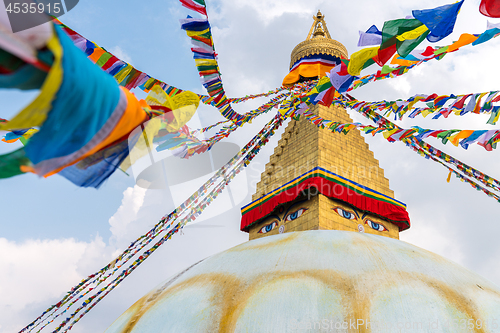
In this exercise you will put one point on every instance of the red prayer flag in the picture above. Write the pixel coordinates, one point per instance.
(431, 97)
(490, 8)
(385, 55)
(460, 104)
(194, 6)
(429, 51)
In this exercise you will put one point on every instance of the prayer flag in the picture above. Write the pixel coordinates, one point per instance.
(490, 8)
(440, 20)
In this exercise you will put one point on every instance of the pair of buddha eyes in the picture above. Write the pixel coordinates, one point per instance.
(342, 212)
(289, 217)
(351, 216)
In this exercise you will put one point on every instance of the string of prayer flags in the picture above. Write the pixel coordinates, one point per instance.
(393, 133)
(486, 138)
(67, 138)
(466, 169)
(206, 60)
(492, 30)
(131, 77)
(419, 147)
(137, 253)
(390, 129)
(418, 57)
(222, 133)
(126, 75)
(490, 8)
(208, 128)
(184, 143)
(438, 105)
(446, 159)
(406, 136)
(21, 135)
(124, 72)
(402, 36)
(250, 97)
(441, 19)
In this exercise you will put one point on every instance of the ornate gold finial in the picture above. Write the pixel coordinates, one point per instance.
(319, 32)
(318, 27)
(318, 41)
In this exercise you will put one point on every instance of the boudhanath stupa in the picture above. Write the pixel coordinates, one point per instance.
(324, 253)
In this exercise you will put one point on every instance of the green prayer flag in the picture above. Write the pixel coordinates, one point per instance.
(103, 59)
(446, 134)
(395, 28)
(10, 164)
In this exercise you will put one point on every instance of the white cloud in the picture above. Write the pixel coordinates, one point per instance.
(133, 199)
(434, 237)
(37, 273)
(121, 54)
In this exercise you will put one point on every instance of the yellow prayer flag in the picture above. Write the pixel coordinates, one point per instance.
(358, 59)
(412, 34)
(183, 105)
(196, 33)
(460, 135)
(477, 108)
(387, 134)
(205, 62)
(34, 115)
(122, 74)
(427, 112)
(412, 103)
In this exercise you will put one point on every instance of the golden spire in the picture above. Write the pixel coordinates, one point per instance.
(318, 41)
(319, 32)
(317, 27)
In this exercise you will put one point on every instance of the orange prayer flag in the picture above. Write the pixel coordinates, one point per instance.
(397, 60)
(96, 55)
(465, 39)
(460, 135)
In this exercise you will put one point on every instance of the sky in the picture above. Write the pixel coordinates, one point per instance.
(53, 234)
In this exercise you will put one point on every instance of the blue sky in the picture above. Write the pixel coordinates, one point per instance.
(52, 233)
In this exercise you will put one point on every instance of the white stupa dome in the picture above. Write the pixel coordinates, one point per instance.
(319, 281)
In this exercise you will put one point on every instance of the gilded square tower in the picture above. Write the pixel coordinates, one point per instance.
(317, 179)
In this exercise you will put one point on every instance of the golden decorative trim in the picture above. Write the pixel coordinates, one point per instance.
(318, 45)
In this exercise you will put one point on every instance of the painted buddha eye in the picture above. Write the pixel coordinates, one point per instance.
(345, 214)
(295, 215)
(376, 226)
(265, 229)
